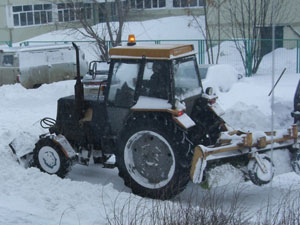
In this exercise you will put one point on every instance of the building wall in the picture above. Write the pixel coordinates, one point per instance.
(168, 9)
(142, 15)
(4, 32)
(9, 31)
(290, 18)
(286, 15)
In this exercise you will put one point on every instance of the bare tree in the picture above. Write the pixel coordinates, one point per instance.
(109, 32)
(246, 19)
(207, 29)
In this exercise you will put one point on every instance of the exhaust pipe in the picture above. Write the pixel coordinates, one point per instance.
(79, 92)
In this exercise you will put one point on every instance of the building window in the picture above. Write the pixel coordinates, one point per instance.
(28, 15)
(147, 4)
(193, 3)
(132, 4)
(187, 3)
(139, 4)
(108, 11)
(74, 12)
(162, 3)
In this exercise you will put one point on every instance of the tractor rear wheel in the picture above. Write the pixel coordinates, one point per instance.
(49, 158)
(152, 159)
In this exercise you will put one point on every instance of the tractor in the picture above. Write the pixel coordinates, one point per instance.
(157, 121)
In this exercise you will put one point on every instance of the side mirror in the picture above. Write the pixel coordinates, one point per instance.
(95, 70)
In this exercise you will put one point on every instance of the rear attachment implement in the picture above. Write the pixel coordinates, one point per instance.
(236, 143)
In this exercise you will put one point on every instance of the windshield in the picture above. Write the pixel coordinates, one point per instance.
(186, 77)
(155, 81)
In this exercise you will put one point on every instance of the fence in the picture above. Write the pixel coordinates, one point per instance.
(287, 53)
(8, 43)
(287, 50)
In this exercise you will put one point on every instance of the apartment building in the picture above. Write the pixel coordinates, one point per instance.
(20, 20)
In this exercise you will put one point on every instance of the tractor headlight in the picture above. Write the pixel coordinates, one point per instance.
(209, 91)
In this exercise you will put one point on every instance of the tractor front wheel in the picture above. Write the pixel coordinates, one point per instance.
(49, 158)
(258, 175)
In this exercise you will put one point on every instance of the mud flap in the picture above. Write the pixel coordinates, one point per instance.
(22, 148)
(198, 165)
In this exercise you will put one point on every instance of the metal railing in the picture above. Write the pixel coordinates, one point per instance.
(8, 43)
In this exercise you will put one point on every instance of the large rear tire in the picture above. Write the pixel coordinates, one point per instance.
(49, 158)
(153, 159)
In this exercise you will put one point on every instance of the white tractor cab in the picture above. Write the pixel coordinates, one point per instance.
(33, 66)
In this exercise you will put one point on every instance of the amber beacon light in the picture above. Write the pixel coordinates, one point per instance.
(131, 40)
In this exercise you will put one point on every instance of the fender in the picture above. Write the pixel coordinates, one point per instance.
(149, 104)
(65, 146)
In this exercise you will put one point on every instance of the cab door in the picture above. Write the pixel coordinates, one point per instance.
(120, 96)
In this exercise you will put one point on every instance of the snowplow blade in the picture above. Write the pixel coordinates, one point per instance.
(22, 148)
(236, 143)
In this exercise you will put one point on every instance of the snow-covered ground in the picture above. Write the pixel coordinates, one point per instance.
(170, 28)
(91, 194)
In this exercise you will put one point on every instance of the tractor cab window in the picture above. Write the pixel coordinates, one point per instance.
(155, 80)
(123, 82)
(186, 78)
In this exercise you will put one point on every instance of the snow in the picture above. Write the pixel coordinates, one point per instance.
(37, 48)
(46, 57)
(221, 77)
(90, 195)
(250, 97)
(145, 102)
(173, 27)
(185, 120)
(216, 176)
(166, 29)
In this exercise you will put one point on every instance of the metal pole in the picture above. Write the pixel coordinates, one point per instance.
(298, 60)
(202, 51)
(199, 52)
(270, 196)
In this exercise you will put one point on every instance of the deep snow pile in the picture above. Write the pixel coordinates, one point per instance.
(248, 105)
